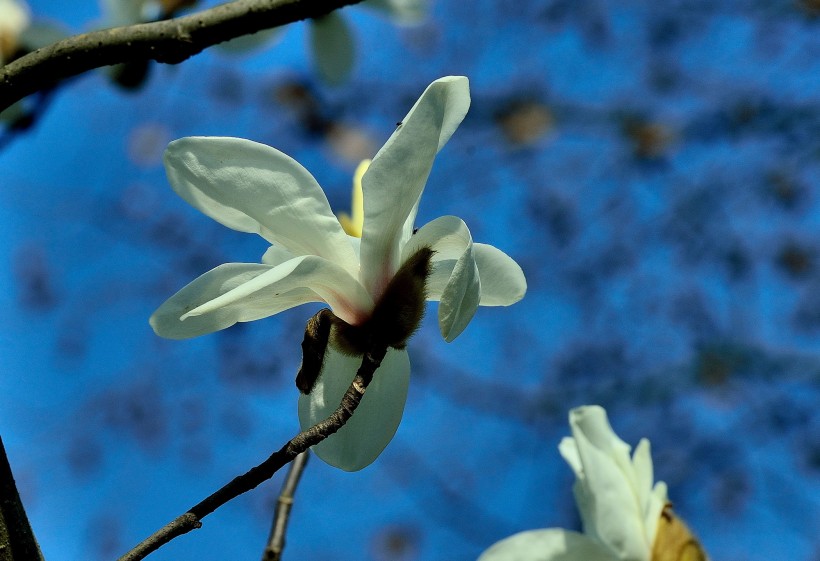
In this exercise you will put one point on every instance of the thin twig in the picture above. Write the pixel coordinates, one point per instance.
(170, 41)
(192, 519)
(276, 540)
(17, 541)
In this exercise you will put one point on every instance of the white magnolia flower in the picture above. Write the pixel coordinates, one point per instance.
(15, 17)
(251, 187)
(625, 517)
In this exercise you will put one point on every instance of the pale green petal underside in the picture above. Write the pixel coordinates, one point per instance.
(372, 426)
(166, 320)
(551, 544)
(334, 50)
(395, 179)
(502, 280)
(460, 298)
(254, 188)
(331, 283)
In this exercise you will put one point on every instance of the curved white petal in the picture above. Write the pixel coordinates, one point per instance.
(460, 298)
(395, 179)
(551, 544)
(502, 280)
(658, 499)
(166, 320)
(254, 188)
(605, 492)
(345, 296)
(333, 48)
(372, 426)
(276, 255)
(454, 279)
(447, 236)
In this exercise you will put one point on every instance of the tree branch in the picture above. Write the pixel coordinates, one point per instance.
(192, 519)
(17, 541)
(170, 41)
(276, 540)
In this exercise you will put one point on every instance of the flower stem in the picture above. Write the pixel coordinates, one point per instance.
(192, 519)
(276, 541)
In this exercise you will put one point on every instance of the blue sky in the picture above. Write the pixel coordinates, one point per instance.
(652, 166)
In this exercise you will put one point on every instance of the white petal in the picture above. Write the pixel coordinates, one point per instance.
(254, 188)
(166, 320)
(276, 255)
(395, 179)
(657, 500)
(245, 44)
(373, 424)
(552, 544)
(502, 280)
(402, 12)
(612, 504)
(460, 298)
(333, 48)
(569, 451)
(448, 236)
(644, 477)
(345, 296)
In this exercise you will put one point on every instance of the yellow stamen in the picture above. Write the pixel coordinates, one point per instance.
(353, 224)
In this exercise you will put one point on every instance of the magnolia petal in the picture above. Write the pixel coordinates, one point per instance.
(460, 298)
(246, 44)
(225, 278)
(502, 280)
(658, 499)
(346, 297)
(276, 255)
(551, 544)
(402, 12)
(360, 441)
(122, 12)
(644, 476)
(395, 179)
(606, 494)
(447, 236)
(333, 48)
(254, 188)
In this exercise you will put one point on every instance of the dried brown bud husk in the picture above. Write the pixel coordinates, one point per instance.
(674, 541)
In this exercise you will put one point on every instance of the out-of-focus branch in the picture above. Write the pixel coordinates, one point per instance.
(170, 41)
(17, 541)
(192, 519)
(276, 540)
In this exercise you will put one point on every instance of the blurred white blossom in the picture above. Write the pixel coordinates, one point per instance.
(625, 517)
(15, 17)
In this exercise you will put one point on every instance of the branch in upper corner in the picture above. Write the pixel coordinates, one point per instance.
(192, 519)
(17, 541)
(170, 41)
(276, 540)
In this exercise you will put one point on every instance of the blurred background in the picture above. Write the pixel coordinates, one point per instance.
(653, 166)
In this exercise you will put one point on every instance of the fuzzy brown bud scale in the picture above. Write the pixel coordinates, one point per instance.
(395, 317)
